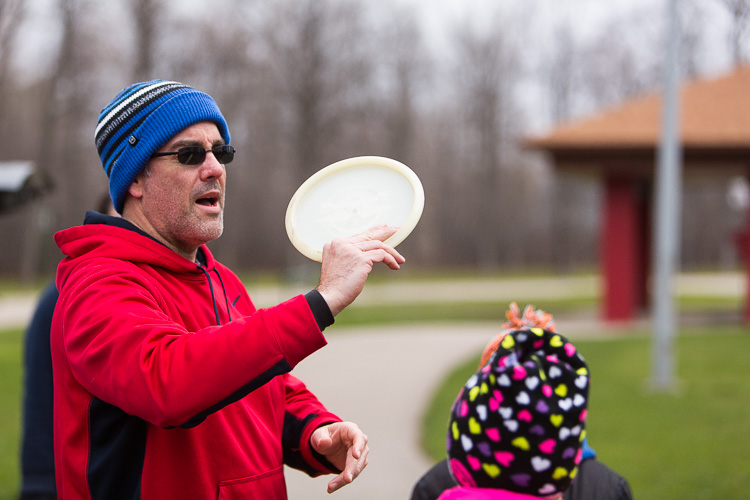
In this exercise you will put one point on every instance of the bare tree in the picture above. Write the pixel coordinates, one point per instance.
(692, 28)
(68, 115)
(146, 16)
(11, 15)
(486, 64)
(739, 10)
(61, 110)
(321, 87)
(620, 61)
(406, 70)
(560, 72)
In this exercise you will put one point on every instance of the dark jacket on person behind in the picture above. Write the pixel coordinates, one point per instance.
(595, 481)
(37, 454)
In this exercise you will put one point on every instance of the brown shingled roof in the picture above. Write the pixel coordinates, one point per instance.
(714, 114)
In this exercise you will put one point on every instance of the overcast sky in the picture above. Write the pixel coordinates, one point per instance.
(533, 22)
(586, 17)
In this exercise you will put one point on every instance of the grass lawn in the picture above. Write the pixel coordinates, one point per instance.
(691, 444)
(10, 416)
(443, 311)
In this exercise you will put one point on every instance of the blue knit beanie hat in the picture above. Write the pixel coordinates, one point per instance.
(140, 120)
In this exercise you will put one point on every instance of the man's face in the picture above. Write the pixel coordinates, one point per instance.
(183, 205)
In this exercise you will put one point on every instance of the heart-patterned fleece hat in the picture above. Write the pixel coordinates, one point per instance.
(518, 423)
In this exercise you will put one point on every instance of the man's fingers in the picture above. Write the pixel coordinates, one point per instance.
(348, 261)
(323, 444)
(354, 467)
(386, 255)
(360, 445)
(378, 245)
(336, 483)
(351, 442)
(382, 232)
(381, 252)
(374, 250)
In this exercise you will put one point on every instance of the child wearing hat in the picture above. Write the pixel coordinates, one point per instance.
(593, 479)
(517, 426)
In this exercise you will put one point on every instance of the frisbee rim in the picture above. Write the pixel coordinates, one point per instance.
(406, 227)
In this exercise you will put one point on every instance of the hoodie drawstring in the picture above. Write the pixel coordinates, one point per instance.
(211, 287)
(226, 299)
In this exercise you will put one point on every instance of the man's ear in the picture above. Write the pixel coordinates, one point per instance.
(136, 188)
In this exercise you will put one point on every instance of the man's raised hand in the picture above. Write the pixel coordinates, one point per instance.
(348, 261)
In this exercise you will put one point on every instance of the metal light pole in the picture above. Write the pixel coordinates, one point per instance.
(667, 226)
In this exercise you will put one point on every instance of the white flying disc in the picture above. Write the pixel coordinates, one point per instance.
(351, 196)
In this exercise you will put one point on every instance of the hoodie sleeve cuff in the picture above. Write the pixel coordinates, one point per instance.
(318, 462)
(319, 307)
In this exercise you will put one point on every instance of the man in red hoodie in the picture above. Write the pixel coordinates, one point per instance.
(169, 383)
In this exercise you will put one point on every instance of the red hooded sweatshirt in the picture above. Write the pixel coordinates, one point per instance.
(168, 382)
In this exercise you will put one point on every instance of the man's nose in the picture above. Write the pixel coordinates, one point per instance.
(211, 168)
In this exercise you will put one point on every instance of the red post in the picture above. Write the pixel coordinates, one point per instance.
(623, 255)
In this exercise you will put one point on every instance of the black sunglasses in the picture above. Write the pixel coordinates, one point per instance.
(196, 155)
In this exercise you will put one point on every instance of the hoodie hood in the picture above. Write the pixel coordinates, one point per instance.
(107, 237)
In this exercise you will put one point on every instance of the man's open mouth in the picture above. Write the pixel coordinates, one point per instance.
(208, 200)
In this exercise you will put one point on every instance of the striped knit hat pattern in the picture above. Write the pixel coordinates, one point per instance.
(518, 424)
(140, 120)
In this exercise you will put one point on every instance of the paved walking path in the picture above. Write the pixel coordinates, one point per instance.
(16, 309)
(381, 378)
